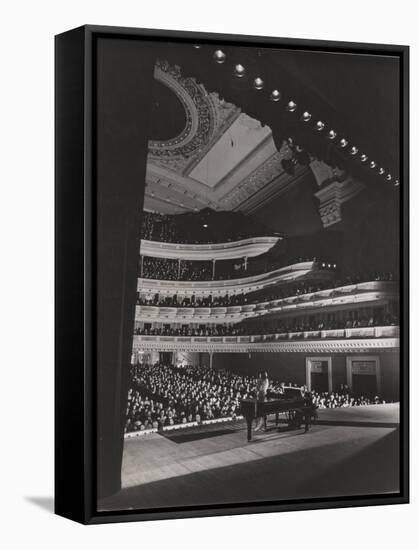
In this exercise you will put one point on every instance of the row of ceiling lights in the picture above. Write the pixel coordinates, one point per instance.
(275, 96)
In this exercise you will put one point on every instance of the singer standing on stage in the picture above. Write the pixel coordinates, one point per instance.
(261, 389)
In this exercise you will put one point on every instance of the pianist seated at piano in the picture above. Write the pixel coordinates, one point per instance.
(262, 386)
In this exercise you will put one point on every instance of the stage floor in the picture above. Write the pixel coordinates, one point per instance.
(348, 452)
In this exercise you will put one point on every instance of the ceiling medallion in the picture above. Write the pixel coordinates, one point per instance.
(204, 113)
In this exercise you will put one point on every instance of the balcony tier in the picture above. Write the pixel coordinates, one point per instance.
(325, 341)
(216, 251)
(372, 293)
(243, 284)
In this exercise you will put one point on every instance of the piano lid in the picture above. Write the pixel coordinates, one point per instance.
(291, 392)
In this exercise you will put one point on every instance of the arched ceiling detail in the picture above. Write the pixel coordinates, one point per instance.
(222, 159)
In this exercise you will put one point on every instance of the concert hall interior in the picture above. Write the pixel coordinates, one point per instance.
(268, 243)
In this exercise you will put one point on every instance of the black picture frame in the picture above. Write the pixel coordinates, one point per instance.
(78, 263)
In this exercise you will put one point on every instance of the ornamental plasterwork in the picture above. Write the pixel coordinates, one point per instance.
(333, 196)
(268, 173)
(207, 116)
(331, 346)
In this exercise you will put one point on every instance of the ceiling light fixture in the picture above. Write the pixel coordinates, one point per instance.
(275, 95)
(239, 71)
(258, 83)
(219, 56)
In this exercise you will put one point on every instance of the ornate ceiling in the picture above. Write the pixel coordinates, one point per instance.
(222, 159)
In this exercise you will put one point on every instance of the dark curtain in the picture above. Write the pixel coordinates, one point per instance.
(123, 94)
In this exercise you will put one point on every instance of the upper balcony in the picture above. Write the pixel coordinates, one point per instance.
(245, 284)
(372, 293)
(244, 248)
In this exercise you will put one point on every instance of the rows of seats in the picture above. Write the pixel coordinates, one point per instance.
(169, 269)
(268, 294)
(168, 395)
(204, 227)
(318, 322)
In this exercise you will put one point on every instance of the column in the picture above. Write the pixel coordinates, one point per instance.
(213, 268)
(335, 188)
(329, 375)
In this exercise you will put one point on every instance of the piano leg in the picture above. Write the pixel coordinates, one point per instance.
(276, 419)
(249, 428)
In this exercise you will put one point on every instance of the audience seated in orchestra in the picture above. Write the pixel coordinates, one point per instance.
(167, 395)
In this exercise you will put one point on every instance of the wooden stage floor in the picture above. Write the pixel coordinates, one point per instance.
(348, 452)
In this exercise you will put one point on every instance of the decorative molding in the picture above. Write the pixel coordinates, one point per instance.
(298, 346)
(244, 284)
(218, 251)
(333, 197)
(275, 308)
(265, 182)
(206, 117)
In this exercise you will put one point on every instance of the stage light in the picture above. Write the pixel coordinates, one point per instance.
(364, 158)
(275, 95)
(196, 46)
(205, 225)
(306, 116)
(389, 177)
(354, 150)
(239, 70)
(331, 134)
(343, 142)
(291, 106)
(319, 125)
(219, 56)
(258, 83)
(381, 171)
(372, 164)
(396, 183)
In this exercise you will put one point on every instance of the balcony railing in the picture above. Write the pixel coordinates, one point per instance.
(369, 293)
(243, 284)
(249, 247)
(347, 333)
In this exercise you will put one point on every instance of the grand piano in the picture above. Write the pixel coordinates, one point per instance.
(291, 402)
